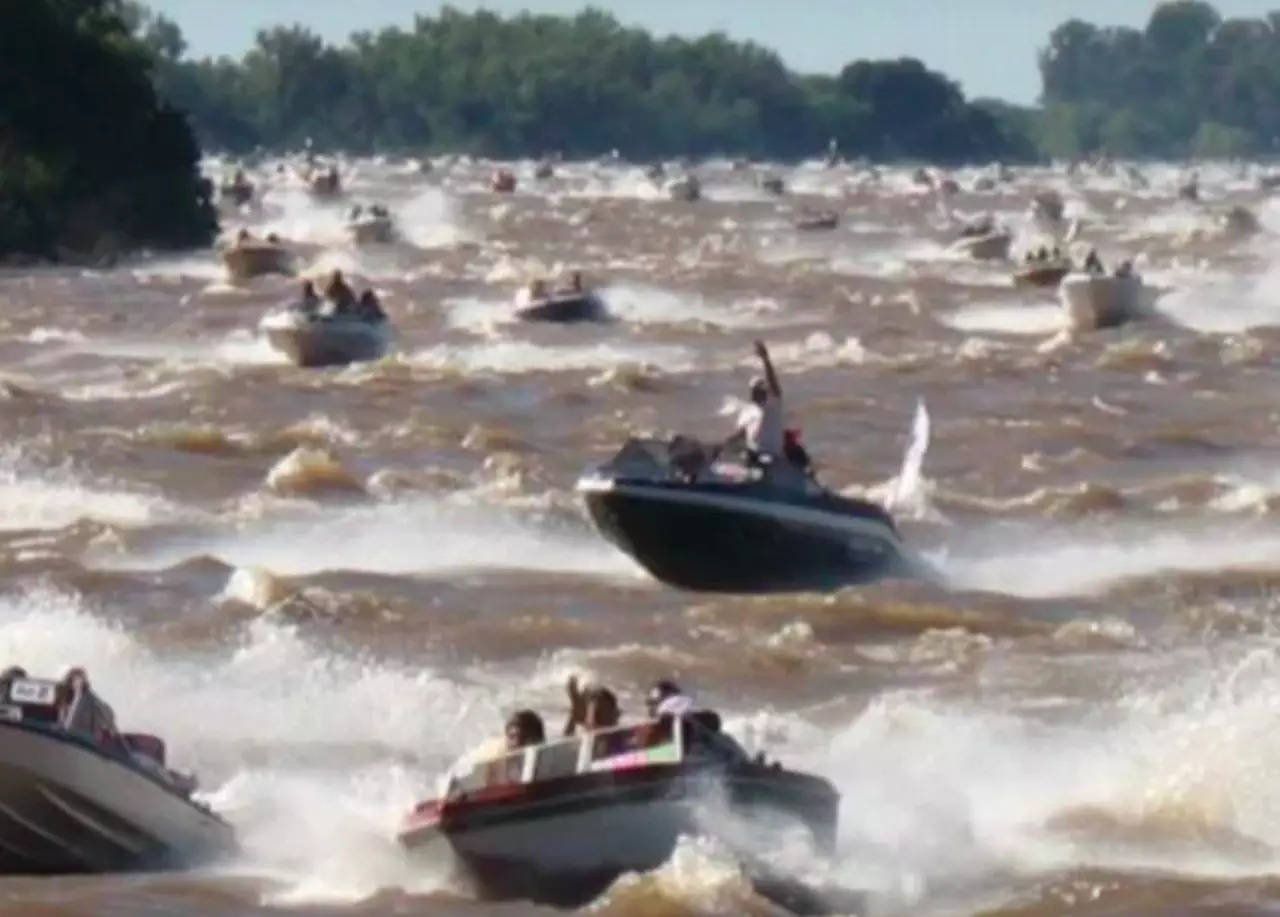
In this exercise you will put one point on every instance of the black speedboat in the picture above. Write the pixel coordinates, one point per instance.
(726, 529)
(72, 804)
(558, 823)
(566, 307)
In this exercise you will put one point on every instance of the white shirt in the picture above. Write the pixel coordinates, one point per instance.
(674, 705)
(763, 426)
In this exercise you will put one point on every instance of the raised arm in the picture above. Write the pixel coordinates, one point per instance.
(770, 376)
(576, 712)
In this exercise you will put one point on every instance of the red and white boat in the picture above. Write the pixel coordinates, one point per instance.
(558, 823)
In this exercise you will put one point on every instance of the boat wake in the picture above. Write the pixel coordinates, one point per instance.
(425, 537)
(1015, 790)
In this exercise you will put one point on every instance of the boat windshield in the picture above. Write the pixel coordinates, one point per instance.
(43, 702)
(685, 459)
(32, 700)
(664, 742)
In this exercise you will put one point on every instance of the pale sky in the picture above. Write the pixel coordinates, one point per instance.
(989, 46)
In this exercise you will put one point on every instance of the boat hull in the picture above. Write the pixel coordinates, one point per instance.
(1041, 276)
(67, 807)
(245, 262)
(564, 860)
(703, 540)
(1092, 302)
(564, 846)
(376, 231)
(564, 310)
(320, 343)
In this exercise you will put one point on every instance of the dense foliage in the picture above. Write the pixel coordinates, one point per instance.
(91, 163)
(532, 85)
(1190, 84)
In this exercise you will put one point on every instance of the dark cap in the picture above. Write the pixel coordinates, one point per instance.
(661, 690)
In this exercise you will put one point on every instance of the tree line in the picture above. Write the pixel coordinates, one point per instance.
(580, 86)
(92, 163)
(103, 107)
(1189, 84)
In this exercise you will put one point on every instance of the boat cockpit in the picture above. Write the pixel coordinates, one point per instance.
(71, 708)
(686, 460)
(695, 740)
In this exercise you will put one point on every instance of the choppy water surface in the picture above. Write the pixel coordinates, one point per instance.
(1082, 720)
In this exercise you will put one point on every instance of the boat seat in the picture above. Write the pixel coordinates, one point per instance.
(148, 745)
(505, 770)
(707, 719)
(559, 759)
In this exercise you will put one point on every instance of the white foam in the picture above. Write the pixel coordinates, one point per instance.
(1023, 319)
(514, 356)
(43, 498)
(423, 537)
(1054, 563)
(948, 795)
(313, 756)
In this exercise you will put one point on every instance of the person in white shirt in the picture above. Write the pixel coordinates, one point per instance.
(666, 699)
(760, 424)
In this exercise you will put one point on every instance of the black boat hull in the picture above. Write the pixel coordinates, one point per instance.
(565, 309)
(690, 539)
(68, 807)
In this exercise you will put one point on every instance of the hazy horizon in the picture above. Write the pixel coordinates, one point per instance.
(817, 36)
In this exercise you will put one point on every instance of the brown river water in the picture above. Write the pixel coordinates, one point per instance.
(321, 586)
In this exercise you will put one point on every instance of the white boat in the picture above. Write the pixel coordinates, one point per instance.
(557, 823)
(313, 339)
(71, 803)
(372, 229)
(1094, 301)
(251, 258)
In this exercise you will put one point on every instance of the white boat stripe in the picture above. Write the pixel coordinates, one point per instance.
(782, 512)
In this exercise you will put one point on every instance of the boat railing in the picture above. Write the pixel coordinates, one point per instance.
(688, 459)
(661, 742)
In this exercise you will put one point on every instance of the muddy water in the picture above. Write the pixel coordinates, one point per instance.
(322, 586)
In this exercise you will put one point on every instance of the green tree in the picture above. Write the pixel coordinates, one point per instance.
(1190, 83)
(91, 163)
(580, 86)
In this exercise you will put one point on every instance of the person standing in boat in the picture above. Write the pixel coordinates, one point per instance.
(338, 292)
(591, 707)
(760, 427)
